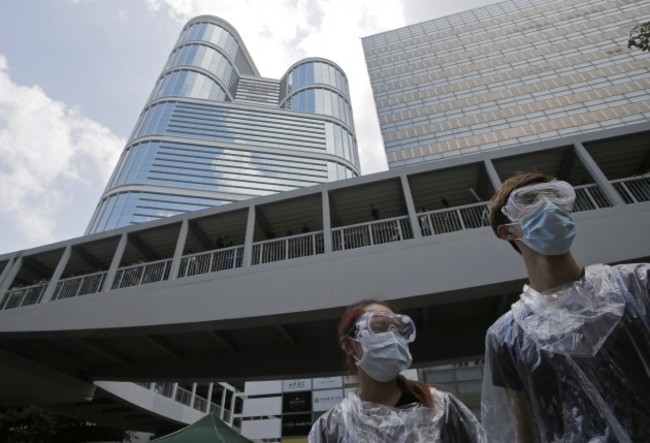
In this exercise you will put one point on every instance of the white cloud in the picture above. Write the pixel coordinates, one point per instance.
(55, 163)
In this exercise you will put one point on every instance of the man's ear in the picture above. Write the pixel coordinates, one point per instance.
(504, 233)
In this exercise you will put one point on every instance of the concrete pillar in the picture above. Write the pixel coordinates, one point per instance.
(9, 278)
(327, 222)
(494, 178)
(248, 240)
(223, 401)
(193, 395)
(597, 174)
(178, 252)
(209, 399)
(7, 268)
(60, 267)
(232, 409)
(115, 263)
(410, 207)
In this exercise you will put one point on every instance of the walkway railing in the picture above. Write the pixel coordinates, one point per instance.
(184, 396)
(28, 295)
(633, 189)
(211, 261)
(141, 274)
(81, 285)
(373, 233)
(589, 197)
(442, 221)
(286, 248)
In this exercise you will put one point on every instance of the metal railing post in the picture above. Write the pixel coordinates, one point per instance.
(178, 251)
(597, 174)
(115, 262)
(60, 267)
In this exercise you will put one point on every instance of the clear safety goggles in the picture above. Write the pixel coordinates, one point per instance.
(526, 200)
(373, 323)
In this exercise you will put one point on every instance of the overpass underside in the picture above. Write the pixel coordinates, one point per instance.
(254, 290)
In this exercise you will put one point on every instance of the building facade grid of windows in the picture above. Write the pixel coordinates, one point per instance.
(214, 131)
(511, 73)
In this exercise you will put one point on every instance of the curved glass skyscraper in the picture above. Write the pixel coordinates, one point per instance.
(214, 131)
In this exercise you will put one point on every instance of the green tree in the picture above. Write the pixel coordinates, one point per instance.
(640, 37)
(37, 425)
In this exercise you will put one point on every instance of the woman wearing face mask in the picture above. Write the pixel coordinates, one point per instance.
(386, 406)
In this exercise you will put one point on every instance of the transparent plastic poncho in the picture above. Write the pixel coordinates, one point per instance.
(572, 365)
(354, 420)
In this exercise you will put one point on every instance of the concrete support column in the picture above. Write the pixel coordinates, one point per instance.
(232, 409)
(115, 263)
(209, 399)
(410, 207)
(327, 222)
(60, 267)
(223, 402)
(193, 395)
(7, 268)
(9, 278)
(494, 178)
(248, 240)
(178, 252)
(597, 174)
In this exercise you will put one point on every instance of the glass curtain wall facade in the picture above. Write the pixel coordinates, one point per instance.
(507, 74)
(214, 131)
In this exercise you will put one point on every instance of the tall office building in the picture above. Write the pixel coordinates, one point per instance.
(214, 131)
(508, 74)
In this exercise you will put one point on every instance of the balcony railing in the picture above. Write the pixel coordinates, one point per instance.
(287, 248)
(81, 285)
(633, 189)
(28, 295)
(373, 233)
(142, 274)
(443, 221)
(183, 396)
(589, 197)
(211, 261)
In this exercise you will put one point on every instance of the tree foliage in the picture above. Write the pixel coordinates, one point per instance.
(640, 37)
(37, 425)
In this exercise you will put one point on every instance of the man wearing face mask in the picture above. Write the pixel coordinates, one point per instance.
(570, 362)
(386, 406)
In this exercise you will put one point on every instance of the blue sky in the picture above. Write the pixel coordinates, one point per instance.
(74, 75)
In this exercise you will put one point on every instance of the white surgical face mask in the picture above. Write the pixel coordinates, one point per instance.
(384, 356)
(549, 231)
